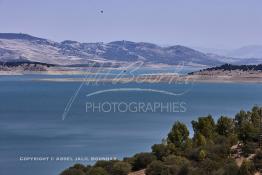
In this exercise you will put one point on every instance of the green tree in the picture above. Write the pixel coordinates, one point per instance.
(240, 118)
(247, 125)
(218, 151)
(199, 140)
(141, 160)
(208, 166)
(172, 149)
(121, 168)
(176, 160)
(170, 170)
(205, 126)
(81, 167)
(72, 171)
(97, 171)
(160, 151)
(178, 135)
(232, 139)
(106, 165)
(255, 115)
(225, 126)
(156, 168)
(247, 132)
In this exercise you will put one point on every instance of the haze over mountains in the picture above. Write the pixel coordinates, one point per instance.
(252, 52)
(15, 47)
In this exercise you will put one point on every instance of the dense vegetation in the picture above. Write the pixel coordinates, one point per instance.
(24, 66)
(22, 63)
(229, 67)
(208, 152)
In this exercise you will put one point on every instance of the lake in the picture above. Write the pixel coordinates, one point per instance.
(31, 118)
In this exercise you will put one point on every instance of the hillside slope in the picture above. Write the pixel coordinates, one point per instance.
(22, 46)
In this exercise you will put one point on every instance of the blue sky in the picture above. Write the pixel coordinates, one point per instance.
(202, 23)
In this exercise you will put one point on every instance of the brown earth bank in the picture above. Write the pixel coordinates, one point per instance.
(223, 74)
(212, 77)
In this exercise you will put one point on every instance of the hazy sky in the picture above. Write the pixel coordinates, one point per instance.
(204, 23)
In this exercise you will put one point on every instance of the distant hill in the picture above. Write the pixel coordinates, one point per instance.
(251, 54)
(16, 46)
(252, 51)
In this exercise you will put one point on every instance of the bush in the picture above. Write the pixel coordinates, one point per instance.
(208, 153)
(106, 165)
(178, 135)
(84, 168)
(231, 169)
(121, 168)
(199, 140)
(155, 168)
(176, 160)
(72, 171)
(247, 168)
(208, 166)
(205, 126)
(97, 171)
(218, 151)
(141, 160)
(202, 155)
(225, 126)
(159, 168)
(160, 151)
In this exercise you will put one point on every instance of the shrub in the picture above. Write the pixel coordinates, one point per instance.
(155, 168)
(84, 168)
(202, 155)
(72, 171)
(141, 160)
(247, 168)
(225, 126)
(208, 166)
(106, 165)
(199, 140)
(160, 151)
(231, 169)
(176, 160)
(205, 126)
(121, 168)
(97, 171)
(178, 135)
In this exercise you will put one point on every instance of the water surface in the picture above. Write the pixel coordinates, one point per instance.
(31, 119)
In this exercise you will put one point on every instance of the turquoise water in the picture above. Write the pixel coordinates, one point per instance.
(31, 119)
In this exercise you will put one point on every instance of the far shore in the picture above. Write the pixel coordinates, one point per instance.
(216, 76)
(171, 79)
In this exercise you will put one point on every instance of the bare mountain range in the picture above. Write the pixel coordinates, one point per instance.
(18, 46)
(249, 54)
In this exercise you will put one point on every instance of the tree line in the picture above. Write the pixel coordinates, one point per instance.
(208, 152)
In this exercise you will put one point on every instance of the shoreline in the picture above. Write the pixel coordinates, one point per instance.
(175, 80)
(217, 76)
